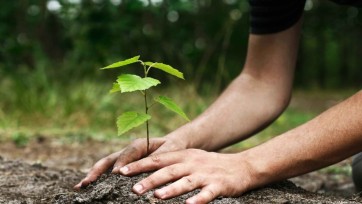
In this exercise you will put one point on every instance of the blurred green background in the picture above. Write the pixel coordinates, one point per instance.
(51, 52)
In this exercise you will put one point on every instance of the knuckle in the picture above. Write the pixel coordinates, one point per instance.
(209, 194)
(212, 193)
(191, 184)
(155, 158)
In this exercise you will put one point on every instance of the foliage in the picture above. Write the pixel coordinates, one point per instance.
(205, 37)
(36, 106)
(169, 104)
(131, 83)
(129, 120)
(48, 56)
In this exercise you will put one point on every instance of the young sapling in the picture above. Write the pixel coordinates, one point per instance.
(132, 83)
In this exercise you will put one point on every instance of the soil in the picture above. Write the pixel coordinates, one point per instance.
(26, 183)
(50, 167)
(22, 183)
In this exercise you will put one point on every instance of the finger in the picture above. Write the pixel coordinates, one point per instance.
(132, 152)
(181, 186)
(98, 169)
(135, 151)
(153, 162)
(160, 177)
(206, 195)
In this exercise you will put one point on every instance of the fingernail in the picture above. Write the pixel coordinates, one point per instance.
(191, 201)
(138, 188)
(124, 170)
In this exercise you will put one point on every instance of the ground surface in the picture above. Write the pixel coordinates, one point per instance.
(25, 183)
(45, 168)
(52, 167)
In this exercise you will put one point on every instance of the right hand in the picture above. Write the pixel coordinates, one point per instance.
(133, 152)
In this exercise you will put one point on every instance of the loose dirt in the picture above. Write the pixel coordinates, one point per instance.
(49, 168)
(25, 183)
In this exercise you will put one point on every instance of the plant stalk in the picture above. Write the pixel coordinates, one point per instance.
(146, 111)
(147, 128)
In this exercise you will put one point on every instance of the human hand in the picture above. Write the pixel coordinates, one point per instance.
(133, 152)
(214, 173)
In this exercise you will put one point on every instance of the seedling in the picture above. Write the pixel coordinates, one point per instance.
(133, 83)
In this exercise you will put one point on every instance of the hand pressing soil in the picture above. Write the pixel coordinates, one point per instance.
(21, 182)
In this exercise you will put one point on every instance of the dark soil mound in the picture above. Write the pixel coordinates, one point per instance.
(24, 183)
(116, 189)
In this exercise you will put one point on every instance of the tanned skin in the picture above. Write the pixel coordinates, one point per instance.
(251, 102)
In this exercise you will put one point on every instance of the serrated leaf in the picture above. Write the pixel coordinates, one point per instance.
(115, 88)
(130, 120)
(130, 82)
(122, 63)
(171, 105)
(166, 68)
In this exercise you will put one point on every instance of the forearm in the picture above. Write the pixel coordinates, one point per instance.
(245, 107)
(253, 100)
(329, 138)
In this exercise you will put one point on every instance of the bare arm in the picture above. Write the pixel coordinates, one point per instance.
(329, 138)
(253, 100)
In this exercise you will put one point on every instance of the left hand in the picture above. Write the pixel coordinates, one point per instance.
(214, 173)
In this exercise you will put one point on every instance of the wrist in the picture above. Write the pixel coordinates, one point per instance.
(184, 137)
(259, 172)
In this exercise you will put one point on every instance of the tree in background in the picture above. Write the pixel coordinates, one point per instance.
(73, 37)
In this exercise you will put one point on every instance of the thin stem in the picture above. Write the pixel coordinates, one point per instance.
(147, 128)
(144, 67)
(146, 110)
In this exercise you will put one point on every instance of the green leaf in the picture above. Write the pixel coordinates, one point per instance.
(166, 68)
(130, 82)
(122, 63)
(130, 120)
(171, 105)
(115, 88)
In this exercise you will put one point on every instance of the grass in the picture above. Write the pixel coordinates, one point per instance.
(31, 104)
